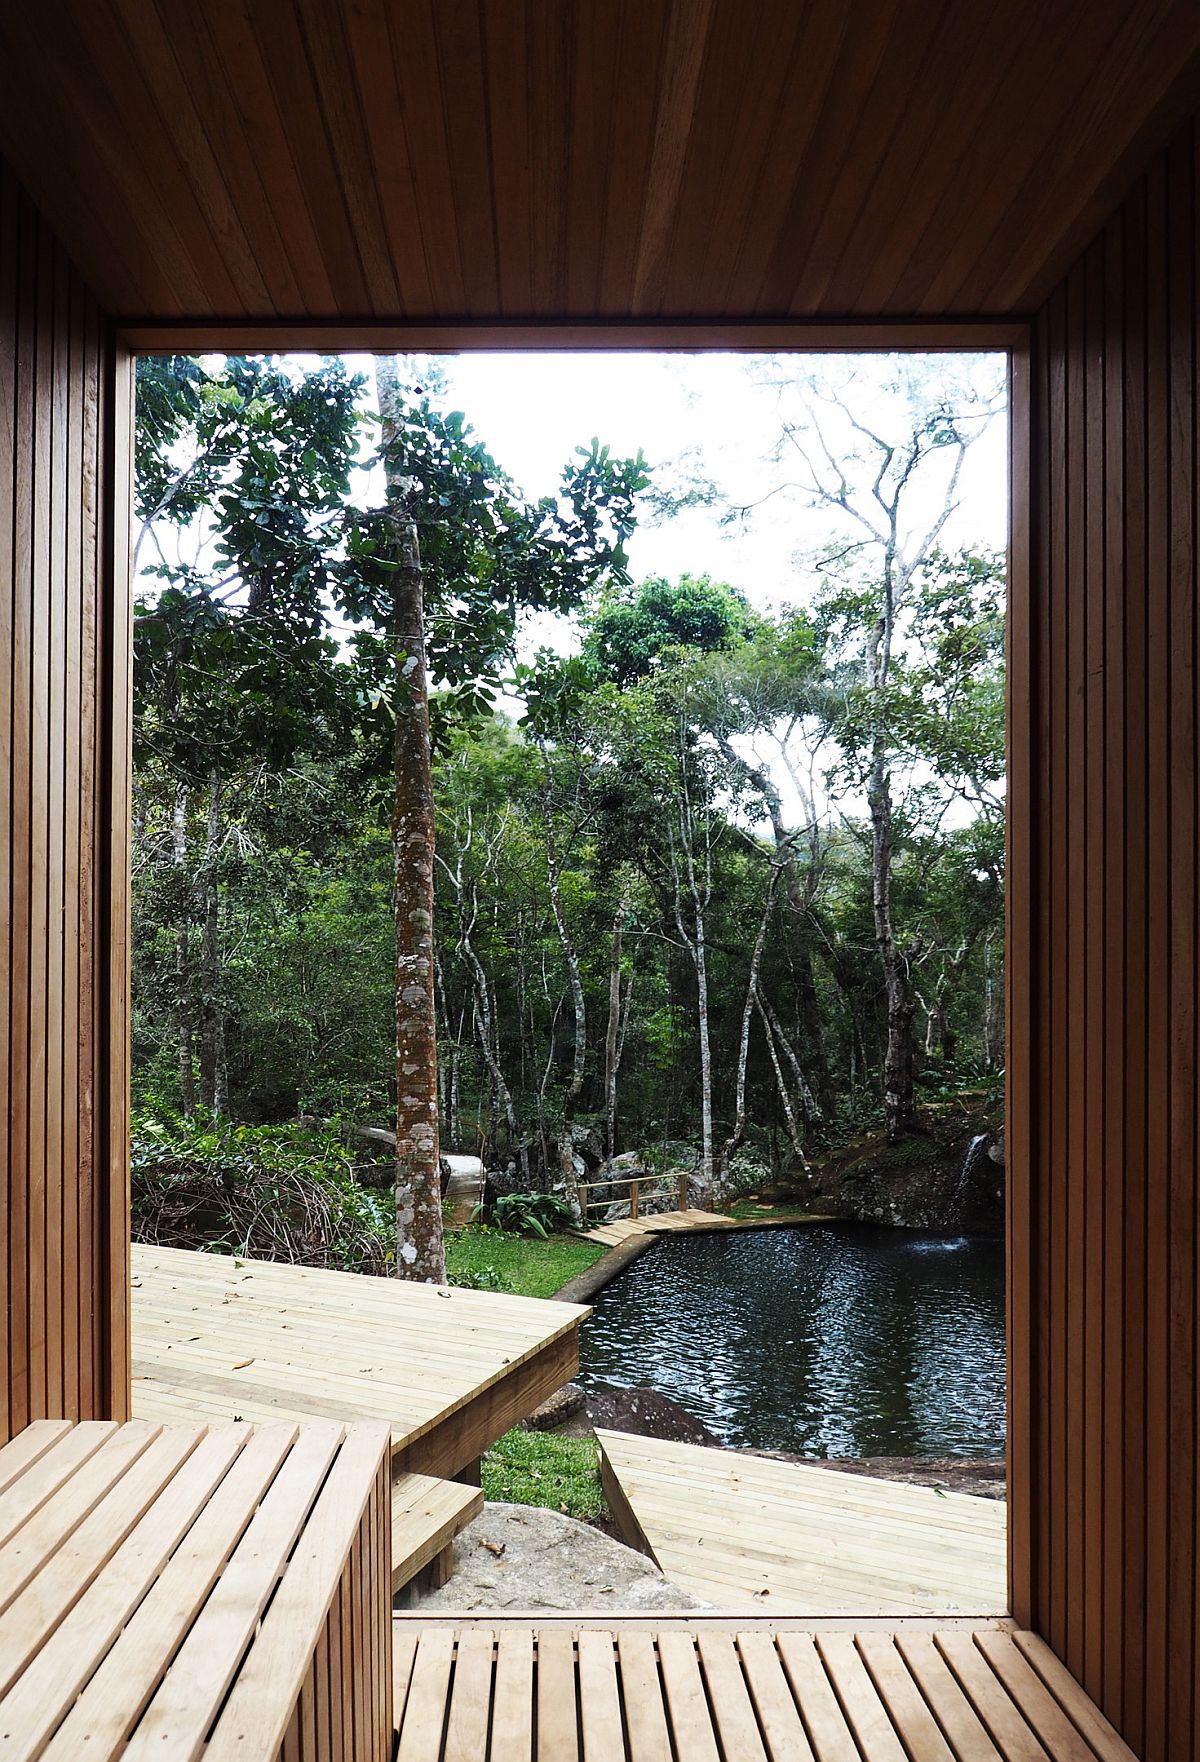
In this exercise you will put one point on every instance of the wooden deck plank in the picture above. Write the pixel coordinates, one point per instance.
(512, 1699)
(1008, 1729)
(1052, 1701)
(217, 1338)
(827, 1729)
(647, 1734)
(733, 1710)
(428, 1696)
(22, 1451)
(866, 1714)
(557, 1697)
(778, 1714)
(427, 1514)
(253, 1721)
(470, 1711)
(954, 1713)
(687, 1703)
(739, 1530)
(907, 1707)
(600, 1699)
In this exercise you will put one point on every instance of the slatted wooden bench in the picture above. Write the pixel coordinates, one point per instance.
(427, 1514)
(190, 1591)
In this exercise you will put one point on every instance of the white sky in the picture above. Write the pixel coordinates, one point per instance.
(531, 411)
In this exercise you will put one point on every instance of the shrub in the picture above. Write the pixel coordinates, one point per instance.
(532, 1213)
(267, 1192)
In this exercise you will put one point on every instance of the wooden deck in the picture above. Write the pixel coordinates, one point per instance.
(216, 1338)
(745, 1531)
(703, 1693)
(187, 1591)
(658, 1223)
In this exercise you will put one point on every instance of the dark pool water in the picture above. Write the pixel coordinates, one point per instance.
(824, 1341)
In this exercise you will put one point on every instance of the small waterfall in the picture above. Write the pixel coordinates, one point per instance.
(974, 1152)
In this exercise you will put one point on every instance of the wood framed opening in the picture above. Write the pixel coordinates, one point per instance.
(1009, 338)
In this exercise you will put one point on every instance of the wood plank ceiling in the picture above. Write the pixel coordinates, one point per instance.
(586, 159)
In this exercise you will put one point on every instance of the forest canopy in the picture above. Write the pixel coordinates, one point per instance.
(715, 877)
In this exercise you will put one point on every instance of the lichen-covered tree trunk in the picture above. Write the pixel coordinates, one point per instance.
(183, 977)
(612, 1037)
(420, 1252)
(214, 1071)
(899, 1092)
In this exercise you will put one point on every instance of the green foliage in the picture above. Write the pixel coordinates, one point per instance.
(266, 1192)
(540, 1468)
(637, 629)
(531, 1213)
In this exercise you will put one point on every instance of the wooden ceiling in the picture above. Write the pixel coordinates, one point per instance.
(584, 159)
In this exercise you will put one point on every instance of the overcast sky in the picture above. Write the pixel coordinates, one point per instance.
(531, 411)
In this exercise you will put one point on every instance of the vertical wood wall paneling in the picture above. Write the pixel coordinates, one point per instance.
(1104, 1084)
(64, 742)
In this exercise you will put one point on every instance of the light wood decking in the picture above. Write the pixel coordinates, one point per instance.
(705, 1693)
(216, 1338)
(745, 1531)
(621, 1229)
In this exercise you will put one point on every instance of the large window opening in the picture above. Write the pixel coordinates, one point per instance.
(569, 839)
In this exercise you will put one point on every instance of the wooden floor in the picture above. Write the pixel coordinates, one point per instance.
(216, 1338)
(746, 1532)
(713, 1694)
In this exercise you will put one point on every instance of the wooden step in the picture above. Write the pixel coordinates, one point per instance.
(427, 1514)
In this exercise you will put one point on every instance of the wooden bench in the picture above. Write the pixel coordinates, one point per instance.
(188, 1591)
(427, 1514)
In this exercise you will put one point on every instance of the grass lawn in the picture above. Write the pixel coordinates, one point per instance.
(539, 1468)
(530, 1266)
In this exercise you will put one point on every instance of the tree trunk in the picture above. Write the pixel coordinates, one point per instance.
(214, 1073)
(183, 977)
(420, 1253)
(566, 1143)
(798, 907)
(795, 1138)
(694, 941)
(612, 1037)
(899, 1094)
(733, 1142)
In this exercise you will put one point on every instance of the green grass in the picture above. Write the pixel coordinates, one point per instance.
(539, 1468)
(530, 1266)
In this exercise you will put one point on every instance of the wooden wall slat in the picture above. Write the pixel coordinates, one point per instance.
(64, 738)
(1105, 1488)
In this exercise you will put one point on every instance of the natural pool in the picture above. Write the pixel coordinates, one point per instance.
(824, 1341)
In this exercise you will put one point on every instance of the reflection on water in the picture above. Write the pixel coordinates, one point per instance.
(823, 1341)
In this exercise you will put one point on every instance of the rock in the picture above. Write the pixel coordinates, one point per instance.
(646, 1414)
(377, 1136)
(560, 1406)
(523, 1557)
(587, 1144)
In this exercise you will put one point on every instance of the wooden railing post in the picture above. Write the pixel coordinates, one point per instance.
(681, 1195)
(633, 1199)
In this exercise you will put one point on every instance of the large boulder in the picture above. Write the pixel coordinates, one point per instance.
(524, 1557)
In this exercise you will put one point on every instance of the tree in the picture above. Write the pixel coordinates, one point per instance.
(870, 477)
(442, 572)
(242, 473)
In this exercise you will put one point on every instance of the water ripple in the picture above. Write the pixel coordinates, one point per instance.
(829, 1342)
